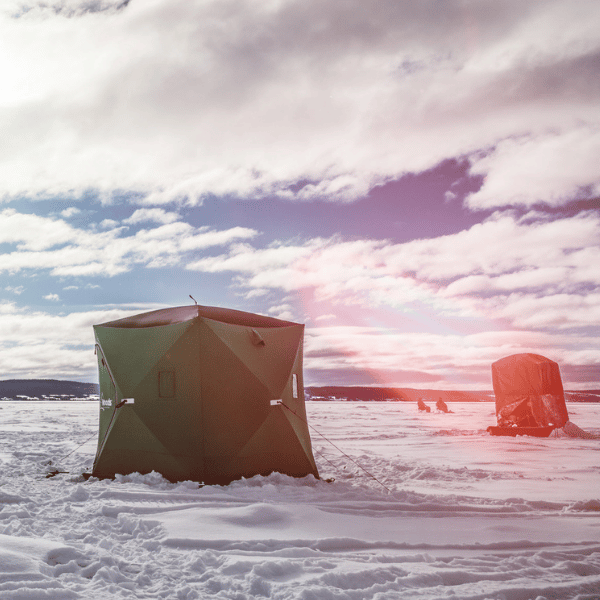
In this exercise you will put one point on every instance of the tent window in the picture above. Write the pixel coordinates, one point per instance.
(294, 385)
(166, 384)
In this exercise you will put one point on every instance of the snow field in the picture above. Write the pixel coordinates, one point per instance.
(452, 514)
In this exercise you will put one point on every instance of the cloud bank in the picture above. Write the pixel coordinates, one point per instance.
(423, 312)
(131, 115)
(45, 243)
(488, 270)
(447, 306)
(182, 99)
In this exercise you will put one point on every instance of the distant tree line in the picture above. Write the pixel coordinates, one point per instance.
(15, 389)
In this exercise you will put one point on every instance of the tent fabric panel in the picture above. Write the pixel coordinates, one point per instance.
(295, 405)
(299, 425)
(278, 437)
(555, 409)
(159, 422)
(129, 432)
(270, 361)
(131, 353)
(176, 421)
(273, 448)
(132, 447)
(108, 396)
(234, 402)
(532, 411)
(127, 435)
(292, 393)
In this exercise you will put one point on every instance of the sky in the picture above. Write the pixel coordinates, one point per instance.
(416, 182)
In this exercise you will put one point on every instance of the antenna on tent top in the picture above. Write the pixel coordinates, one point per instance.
(194, 299)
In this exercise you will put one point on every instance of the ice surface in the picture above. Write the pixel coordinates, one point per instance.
(423, 506)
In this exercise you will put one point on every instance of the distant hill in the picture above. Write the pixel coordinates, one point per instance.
(583, 396)
(56, 389)
(47, 389)
(377, 394)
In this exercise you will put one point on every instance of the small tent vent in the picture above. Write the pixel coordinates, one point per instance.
(256, 338)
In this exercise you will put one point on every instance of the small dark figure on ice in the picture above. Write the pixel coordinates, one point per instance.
(422, 406)
(441, 405)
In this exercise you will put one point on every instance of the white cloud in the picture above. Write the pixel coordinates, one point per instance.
(207, 238)
(256, 293)
(449, 196)
(285, 312)
(181, 99)
(549, 168)
(553, 311)
(394, 358)
(35, 344)
(43, 243)
(178, 99)
(69, 212)
(33, 233)
(154, 215)
(52, 297)
(108, 224)
(474, 273)
(38, 344)
(18, 290)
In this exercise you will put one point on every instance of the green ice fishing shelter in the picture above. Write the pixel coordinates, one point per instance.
(201, 393)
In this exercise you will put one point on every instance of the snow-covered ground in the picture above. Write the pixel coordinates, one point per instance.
(432, 508)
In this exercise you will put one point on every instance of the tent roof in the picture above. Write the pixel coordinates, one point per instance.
(526, 373)
(180, 314)
(520, 359)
